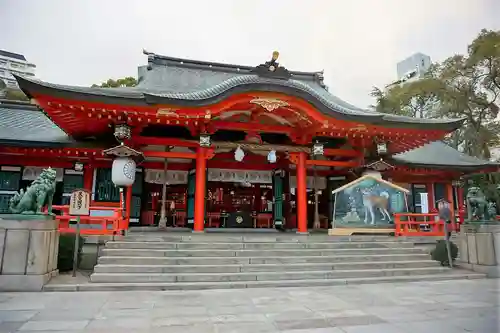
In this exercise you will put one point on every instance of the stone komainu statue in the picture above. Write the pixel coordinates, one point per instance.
(477, 206)
(39, 193)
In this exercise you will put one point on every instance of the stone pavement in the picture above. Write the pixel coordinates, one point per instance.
(427, 307)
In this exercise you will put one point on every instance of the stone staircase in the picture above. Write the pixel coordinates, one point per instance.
(178, 262)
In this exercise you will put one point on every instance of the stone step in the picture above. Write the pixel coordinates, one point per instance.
(261, 267)
(257, 246)
(258, 238)
(252, 253)
(259, 276)
(351, 258)
(453, 275)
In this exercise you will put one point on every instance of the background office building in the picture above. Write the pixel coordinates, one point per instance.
(14, 63)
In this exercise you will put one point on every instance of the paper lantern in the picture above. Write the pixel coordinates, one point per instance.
(123, 171)
(204, 140)
(271, 157)
(239, 154)
(318, 149)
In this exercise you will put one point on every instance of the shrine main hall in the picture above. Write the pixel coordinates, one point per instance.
(215, 145)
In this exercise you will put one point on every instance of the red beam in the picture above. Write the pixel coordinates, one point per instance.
(220, 124)
(141, 140)
(344, 164)
(59, 152)
(169, 154)
(31, 161)
(217, 164)
(343, 152)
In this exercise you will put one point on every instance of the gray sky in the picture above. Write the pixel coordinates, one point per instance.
(356, 42)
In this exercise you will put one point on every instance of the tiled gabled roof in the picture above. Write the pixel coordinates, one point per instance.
(23, 122)
(191, 83)
(437, 154)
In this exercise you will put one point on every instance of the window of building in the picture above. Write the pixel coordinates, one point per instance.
(416, 198)
(439, 191)
(3, 62)
(9, 180)
(108, 192)
(105, 189)
(72, 182)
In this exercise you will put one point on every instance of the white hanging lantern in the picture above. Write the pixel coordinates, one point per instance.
(122, 132)
(78, 166)
(123, 171)
(271, 157)
(382, 148)
(239, 154)
(204, 140)
(318, 149)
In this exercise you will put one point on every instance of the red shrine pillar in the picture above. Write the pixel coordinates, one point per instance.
(301, 194)
(88, 177)
(431, 201)
(128, 204)
(199, 192)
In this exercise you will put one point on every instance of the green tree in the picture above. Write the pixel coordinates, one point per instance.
(462, 86)
(413, 100)
(15, 95)
(128, 81)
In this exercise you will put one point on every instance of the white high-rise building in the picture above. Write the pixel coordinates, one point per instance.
(413, 67)
(14, 63)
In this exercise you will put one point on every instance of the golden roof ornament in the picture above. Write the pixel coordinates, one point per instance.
(272, 69)
(270, 104)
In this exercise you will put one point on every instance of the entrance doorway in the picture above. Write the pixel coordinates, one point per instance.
(239, 205)
(231, 204)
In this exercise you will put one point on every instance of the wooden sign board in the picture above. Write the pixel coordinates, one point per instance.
(79, 203)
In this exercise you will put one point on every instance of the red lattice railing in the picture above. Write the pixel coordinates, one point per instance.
(113, 224)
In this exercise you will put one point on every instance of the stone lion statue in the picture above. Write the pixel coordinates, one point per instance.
(39, 193)
(477, 206)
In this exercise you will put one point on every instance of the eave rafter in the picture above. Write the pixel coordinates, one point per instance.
(67, 152)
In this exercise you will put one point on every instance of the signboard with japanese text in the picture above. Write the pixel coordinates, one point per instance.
(79, 203)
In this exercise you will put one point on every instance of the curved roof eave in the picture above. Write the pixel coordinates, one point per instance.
(437, 154)
(321, 100)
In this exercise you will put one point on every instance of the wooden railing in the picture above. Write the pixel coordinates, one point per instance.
(416, 224)
(109, 225)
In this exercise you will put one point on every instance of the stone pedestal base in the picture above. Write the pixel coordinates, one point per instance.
(28, 252)
(479, 247)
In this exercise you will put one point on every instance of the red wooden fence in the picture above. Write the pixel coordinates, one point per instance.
(116, 220)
